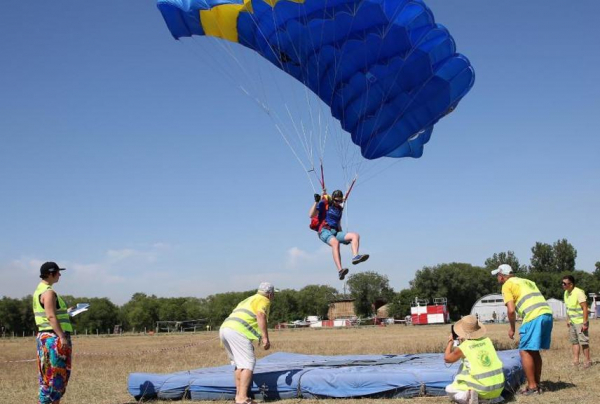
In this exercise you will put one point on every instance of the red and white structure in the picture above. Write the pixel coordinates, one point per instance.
(421, 312)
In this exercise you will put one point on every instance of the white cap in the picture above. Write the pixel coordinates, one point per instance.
(267, 287)
(503, 269)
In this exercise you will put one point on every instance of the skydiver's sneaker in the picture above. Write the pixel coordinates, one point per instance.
(342, 274)
(360, 258)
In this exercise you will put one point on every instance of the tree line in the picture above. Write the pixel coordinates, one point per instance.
(461, 283)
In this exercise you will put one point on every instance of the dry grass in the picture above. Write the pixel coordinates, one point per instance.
(102, 378)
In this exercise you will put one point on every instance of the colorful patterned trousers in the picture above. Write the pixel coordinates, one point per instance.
(54, 364)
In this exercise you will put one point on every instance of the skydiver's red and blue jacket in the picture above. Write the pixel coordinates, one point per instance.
(332, 215)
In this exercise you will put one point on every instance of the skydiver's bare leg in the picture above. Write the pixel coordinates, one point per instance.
(354, 239)
(335, 249)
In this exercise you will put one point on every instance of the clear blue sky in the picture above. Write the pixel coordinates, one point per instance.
(132, 159)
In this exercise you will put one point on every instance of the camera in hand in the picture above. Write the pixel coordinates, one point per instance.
(454, 335)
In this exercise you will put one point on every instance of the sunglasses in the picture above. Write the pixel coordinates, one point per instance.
(565, 283)
(338, 200)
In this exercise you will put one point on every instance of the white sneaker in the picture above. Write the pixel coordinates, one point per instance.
(473, 397)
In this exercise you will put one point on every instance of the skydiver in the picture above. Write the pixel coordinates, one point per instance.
(326, 217)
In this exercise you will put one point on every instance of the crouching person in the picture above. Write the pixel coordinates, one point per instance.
(480, 376)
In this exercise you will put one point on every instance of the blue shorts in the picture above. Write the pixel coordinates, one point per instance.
(326, 234)
(535, 334)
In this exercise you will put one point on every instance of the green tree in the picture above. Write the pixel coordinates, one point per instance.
(542, 259)
(313, 300)
(549, 283)
(172, 309)
(462, 284)
(597, 270)
(195, 308)
(102, 315)
(10, 315)
(550, 286)
(284, 307)
(564, 256)
(504, 258)
(141, 312)
(366, 288)
(222, 304)
(400, 305)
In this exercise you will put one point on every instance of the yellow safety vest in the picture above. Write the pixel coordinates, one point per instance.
(481, 369)
(530, 304)
(243, 320)
(40, 314)
(574, 310)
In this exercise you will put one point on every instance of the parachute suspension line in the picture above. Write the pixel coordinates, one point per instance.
(308, 139)
(308, 143)
(307, 171)
(303, 140)
(322, 134)
(343, 142)
(376, 173)
(272, 114)
(322, 178)
(322, 138)
(277, 121)
(350, 188)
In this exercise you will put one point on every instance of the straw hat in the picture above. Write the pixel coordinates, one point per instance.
(469, 328)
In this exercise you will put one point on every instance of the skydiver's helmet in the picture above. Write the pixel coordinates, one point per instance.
(338, 195)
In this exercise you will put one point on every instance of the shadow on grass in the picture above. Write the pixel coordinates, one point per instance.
(549, 385)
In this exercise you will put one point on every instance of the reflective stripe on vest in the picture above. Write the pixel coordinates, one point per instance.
(41, 321)
(247, 326)
(243, 320)
(481, 369)
(574, 310)
(531, 303)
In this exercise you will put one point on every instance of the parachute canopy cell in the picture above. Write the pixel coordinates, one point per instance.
(387, 71)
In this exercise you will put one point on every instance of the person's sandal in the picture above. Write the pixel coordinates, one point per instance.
(527, 391)
(587, 365)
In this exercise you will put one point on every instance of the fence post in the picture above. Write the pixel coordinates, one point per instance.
(96, 332)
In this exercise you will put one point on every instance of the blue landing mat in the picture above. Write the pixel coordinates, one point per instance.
(287, 375)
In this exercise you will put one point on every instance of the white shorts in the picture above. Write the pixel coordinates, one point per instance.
(239, 349)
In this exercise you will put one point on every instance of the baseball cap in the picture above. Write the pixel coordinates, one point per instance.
(50, 267)
(503, 269)
(267, 287)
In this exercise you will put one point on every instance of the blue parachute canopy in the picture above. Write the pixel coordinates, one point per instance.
(384, 67)
(287, 375)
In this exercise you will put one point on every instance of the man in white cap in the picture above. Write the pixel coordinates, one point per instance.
(247, 323)
(522, 296)
(480, 373)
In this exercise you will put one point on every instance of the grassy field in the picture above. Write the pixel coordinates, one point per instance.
(101, 364)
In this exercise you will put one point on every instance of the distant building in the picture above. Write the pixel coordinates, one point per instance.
(343, 308)
(559, 310)
(485, 307)
(383, 312)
